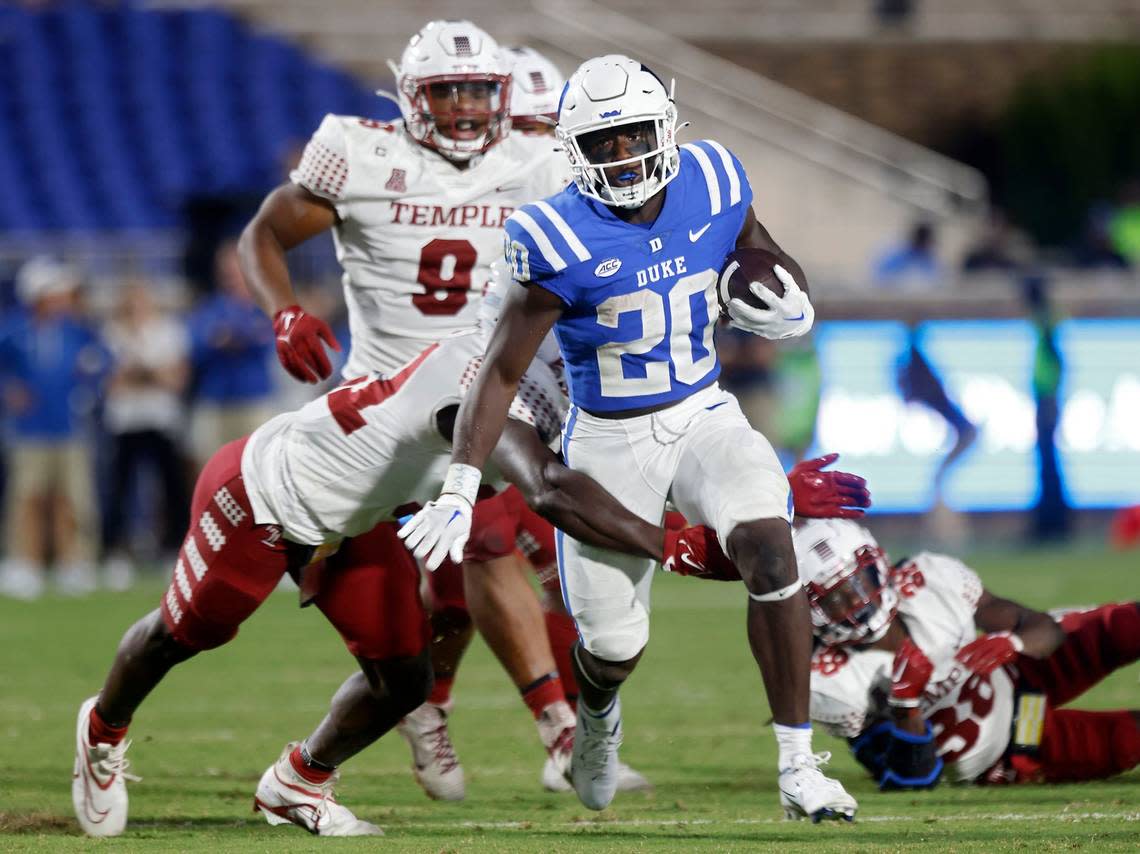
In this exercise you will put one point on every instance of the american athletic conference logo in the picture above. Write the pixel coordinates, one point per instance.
(397, 182)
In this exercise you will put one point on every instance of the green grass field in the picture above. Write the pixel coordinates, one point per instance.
(694, 715)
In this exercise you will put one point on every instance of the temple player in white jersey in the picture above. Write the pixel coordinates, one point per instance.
(293, 498)
(902, 673)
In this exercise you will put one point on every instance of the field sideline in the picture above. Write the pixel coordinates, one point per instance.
(694, 716)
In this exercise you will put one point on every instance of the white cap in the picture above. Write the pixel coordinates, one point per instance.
(44, 276)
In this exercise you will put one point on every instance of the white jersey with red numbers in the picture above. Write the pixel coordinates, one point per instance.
(416, 235)
(970, 715)
(346, 461)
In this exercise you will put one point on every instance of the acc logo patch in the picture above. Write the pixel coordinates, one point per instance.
(607, 268)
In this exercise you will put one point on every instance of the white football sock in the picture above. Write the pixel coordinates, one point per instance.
(792, 740)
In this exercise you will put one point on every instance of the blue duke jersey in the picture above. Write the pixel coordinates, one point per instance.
(640, 300)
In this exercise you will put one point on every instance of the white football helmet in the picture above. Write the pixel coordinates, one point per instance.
(536, 85)
(845, 575)
(611, 91)
(455, 53)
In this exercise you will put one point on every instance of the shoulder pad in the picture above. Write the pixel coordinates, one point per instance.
(723, 174)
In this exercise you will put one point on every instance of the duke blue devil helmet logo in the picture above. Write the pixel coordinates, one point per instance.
(611, 91)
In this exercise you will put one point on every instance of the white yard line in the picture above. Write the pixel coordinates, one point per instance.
(599, 824)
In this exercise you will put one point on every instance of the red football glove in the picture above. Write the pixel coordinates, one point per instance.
(909, 675)
(989, 652)
(695, 551)
(827, 494)
(299, 337)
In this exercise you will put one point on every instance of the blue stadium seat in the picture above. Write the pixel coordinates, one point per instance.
(112, 115)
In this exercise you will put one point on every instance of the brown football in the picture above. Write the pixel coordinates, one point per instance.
(741, 268)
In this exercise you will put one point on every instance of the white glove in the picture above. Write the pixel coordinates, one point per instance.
(788, 316)
(441, 529)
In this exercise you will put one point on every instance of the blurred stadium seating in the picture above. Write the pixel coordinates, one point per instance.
(115, 116)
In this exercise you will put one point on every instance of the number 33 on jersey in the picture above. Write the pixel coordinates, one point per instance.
(640, 300)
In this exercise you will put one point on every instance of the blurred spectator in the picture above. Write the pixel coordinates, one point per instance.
(746, 369)
(911, 266)
(777, 385)
(999, 249)
(799, 382)
(51, 363)
(1095, 250)
(1051, 517)
(1124, 227)
(144, 419)
(231, 347)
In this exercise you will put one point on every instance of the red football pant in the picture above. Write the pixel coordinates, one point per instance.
(227, 566)
(1075, 744)
(502, 525)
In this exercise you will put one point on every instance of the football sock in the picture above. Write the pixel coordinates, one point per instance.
(307, 767)
(101, 732)
(542, 692)
(792, 740)
(563, 635)
(441, 691)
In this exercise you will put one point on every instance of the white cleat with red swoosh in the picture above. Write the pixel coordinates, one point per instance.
(98, 782)
(285, 797)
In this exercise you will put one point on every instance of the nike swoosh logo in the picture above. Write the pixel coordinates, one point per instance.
(694, 236)
(287, 320)
(801, 317)
(686, 557)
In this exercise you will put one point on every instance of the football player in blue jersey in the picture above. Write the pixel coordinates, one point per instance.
(623, 264)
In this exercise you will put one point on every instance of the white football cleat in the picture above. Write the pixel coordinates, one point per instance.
(434, 762)
(594, 763)
(556, 727)
(554, 778)
(98, 781)
(556, 731)
(806, 793)
(285, 797)
(630, 780)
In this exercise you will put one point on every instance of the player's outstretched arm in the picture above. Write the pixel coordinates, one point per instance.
(572, 501)
(442, 527)
(289, 216)
(1010, 628)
